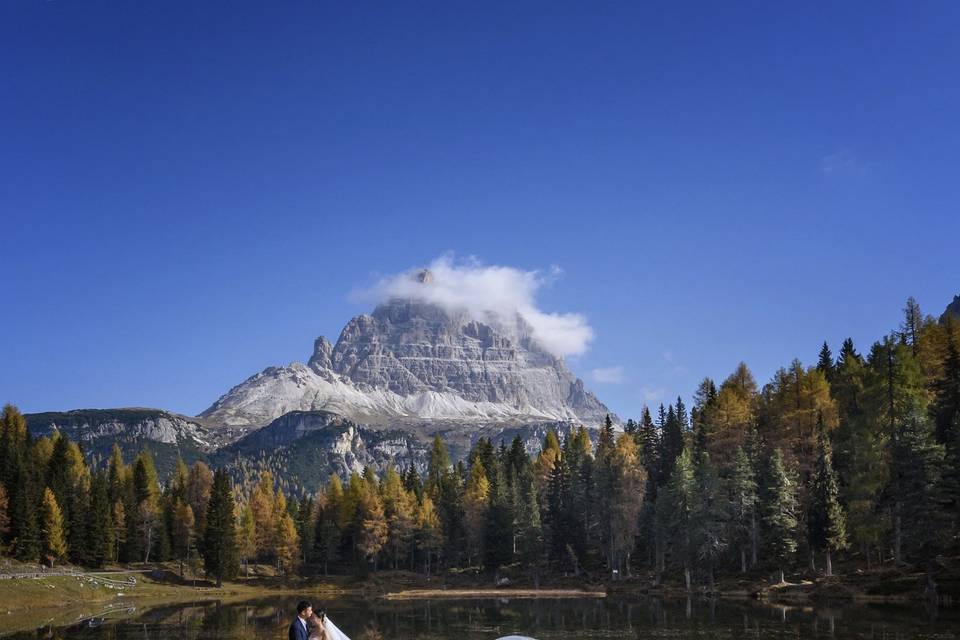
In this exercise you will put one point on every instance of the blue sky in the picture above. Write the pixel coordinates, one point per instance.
(190, 191)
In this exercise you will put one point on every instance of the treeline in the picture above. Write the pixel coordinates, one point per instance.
(857, 457)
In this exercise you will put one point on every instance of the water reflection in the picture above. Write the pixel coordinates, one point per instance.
(543, 619)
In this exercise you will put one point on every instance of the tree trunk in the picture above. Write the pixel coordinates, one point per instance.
(686, 577)
(897, 534)
(753, 539)
(782, 578)
(931, 588)
(829, 564)
(813, 559)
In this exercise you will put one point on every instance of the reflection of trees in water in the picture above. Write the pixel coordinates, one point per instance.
(619, 617)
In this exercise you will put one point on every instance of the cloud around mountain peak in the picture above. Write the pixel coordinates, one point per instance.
(492, 294)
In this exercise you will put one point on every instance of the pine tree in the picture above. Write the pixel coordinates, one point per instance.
(307, 528)
(219, 543)
(4, 516)
(429, 536)
(328, 530)
(917, 461)
(626, 501)
(827, 520)
(946, 404)
(744, 502)
(680, 496)
(911, 326)
(398, 506)
(25, 529)
(708, 515)
(529, 527)
(671, 443)
(54, 539)
(780, 511)
(498, 524)
(825, 363)
(100, 524)
(475, 502)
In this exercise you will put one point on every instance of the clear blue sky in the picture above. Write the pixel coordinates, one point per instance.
(189, 191)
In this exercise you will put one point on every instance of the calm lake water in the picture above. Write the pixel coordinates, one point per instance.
(542, 619)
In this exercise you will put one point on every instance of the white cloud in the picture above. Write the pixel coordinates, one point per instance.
(492, 294)
(843, 162)
(608, 375)
(652, 394)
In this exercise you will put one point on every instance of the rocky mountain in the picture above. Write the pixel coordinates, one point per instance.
(166, 434)
(394, 379)
(302, 448)
(410, 362)
(952, 311)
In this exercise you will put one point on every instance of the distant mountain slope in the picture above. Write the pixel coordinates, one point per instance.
(165, 434)
(302, 448)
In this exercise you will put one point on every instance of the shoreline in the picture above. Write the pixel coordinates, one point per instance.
(480, 593)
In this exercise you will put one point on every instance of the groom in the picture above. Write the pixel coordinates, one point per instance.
(298, 628)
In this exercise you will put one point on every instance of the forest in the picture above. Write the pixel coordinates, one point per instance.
(853, 461)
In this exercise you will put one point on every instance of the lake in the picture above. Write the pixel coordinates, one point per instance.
(617, 617)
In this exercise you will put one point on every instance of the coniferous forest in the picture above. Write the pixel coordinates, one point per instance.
(852, 461)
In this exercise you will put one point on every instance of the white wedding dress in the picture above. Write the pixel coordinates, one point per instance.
(332, 632)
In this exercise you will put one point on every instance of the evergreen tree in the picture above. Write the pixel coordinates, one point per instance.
(827, 521)
(219, 540)
(744, 502)
(429, 534)
(917, 461)
(911, 326)
(825, 363)
(780, 511)
(184, 524)
(4, 516)
(498, 524)
(946, 404)
(708, 516)
(476, 500)
(626, 501)
(680, 495)
(100, 525)
(328, 530)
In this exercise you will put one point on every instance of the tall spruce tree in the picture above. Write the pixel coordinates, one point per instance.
(744, 500)
(826, 518)
(917, 461)
(780, 511)
(220, 537)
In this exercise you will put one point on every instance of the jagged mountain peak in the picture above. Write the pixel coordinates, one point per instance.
(413, 360)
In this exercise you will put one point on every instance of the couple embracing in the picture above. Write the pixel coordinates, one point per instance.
(313, 625)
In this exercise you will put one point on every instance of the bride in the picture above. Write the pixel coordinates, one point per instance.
(322, 628)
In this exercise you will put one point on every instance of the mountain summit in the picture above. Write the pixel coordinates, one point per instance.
(414, 361)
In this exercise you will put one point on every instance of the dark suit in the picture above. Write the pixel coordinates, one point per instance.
(297, 630)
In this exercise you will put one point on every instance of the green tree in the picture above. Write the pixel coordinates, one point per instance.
(780, 511)
(219, 541)
(917, 461)
(680, 494)
(826, 518)
(100, 524)
(744, 500)
(708, 516)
